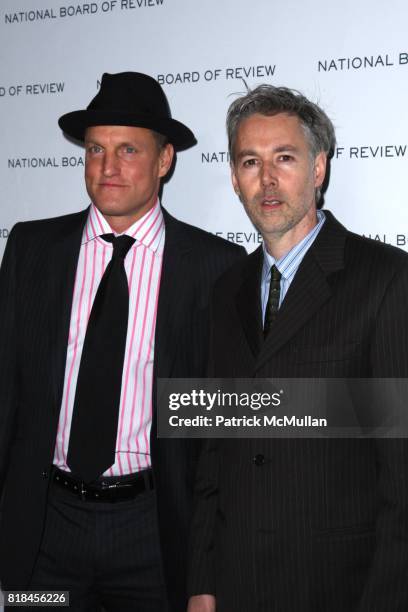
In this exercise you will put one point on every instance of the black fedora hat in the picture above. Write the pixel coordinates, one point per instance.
(131, 99)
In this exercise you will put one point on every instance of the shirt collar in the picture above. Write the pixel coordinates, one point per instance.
(289, 263)
(147, 230)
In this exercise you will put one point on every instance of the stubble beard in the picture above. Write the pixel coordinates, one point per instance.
(275, 223)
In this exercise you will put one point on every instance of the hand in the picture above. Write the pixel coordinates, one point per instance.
(201, 603)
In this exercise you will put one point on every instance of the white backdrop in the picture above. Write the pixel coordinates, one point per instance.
(350, 57)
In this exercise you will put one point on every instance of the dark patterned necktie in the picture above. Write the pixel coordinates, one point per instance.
(272, 305)
(95, 416)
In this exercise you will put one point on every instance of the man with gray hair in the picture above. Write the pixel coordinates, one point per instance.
(301, 525)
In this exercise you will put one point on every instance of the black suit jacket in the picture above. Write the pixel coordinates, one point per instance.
(308, 525)
(36, 288)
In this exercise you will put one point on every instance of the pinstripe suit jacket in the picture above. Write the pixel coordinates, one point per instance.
(314, 525)
(36, 287)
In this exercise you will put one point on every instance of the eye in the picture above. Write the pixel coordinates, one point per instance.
(286, 157)
(94, 149)
(248, 163)
(129, 150)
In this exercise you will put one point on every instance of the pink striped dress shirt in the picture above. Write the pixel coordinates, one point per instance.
(143, 265)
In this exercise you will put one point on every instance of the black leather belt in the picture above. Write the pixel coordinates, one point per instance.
(106, 489)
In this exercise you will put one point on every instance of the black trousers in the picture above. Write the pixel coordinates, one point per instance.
(106, 555)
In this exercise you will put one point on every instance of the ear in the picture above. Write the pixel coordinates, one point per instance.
(234, 179)
(320, 169)
(165, 159)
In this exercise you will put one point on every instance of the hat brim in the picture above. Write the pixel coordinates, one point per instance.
(75, 124)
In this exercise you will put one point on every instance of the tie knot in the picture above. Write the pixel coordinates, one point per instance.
(121, 244)
(275, 274)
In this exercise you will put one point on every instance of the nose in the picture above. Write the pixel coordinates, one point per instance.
(269, 175)
(110, 164)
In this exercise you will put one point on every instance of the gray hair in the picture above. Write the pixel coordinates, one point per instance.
(271, 100)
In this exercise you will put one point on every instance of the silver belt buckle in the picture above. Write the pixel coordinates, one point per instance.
(83, 491)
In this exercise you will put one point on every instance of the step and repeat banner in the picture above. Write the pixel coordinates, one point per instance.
(350, 57)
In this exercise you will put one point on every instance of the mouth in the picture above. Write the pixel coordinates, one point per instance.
(111, 185)
(271, 203)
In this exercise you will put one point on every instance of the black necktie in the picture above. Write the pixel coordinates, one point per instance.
(95, 416)
(272, 305)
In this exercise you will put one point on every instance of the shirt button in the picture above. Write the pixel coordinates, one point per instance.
(259, 459)
(44, 474)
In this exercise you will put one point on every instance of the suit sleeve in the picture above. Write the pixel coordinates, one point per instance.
(8, 352)
(201, 575)
(387, 586)
(201, 578)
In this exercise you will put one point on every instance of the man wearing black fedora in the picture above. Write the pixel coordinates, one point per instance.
(94, 307)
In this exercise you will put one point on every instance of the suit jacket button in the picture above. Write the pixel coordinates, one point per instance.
(259, 459)
(44, 474)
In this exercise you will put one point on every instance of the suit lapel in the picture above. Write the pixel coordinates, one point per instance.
(248, 301)
(175, 269)
(307, 293)
(64, 259)
(310, 288)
